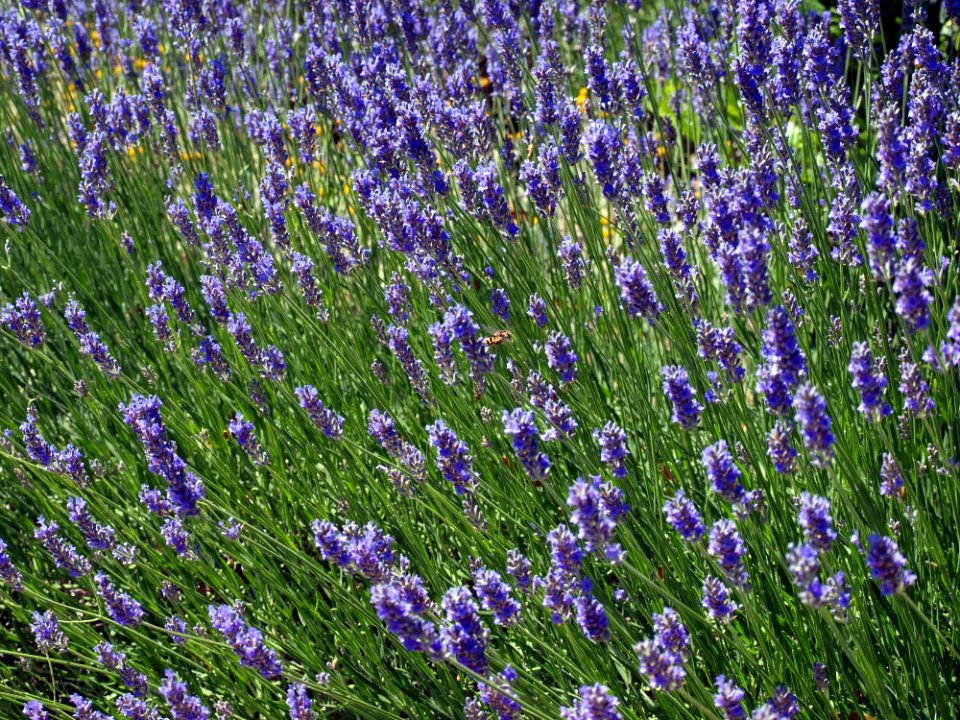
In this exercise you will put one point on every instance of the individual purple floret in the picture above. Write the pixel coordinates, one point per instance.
(888, 566)
(596, 702)
(494, 695)
(677, 388)
(613, 448)
(184, 489)
(722, 472)
(242, 431)
(522, 430)
(561, 357)
(671, 634)
(563, 579)
(12, 209)
(323, 417)
(811, 415)
(726, 547)
(891, 480)
(683, 517)
(729, 699)
(716, 600)
(518, 567)
(814, 517)
(246, 641)
(537, 310)
(178, 629)
(134, 708)
(400, 604)
(8, 571)
(98, 537)
(22, 318)
(176, 536)
(780, 450)
(913, 298)
(464, 634)
(494, 594)
(64, 554)
(90, 343)
(398, 340)
(47, 633)
(869, 381)
(500, 304)
(117, 661)
(182, 706)
(368, 552)
(595, 524)
(636, 293)
(590, 614)
(459, 322)
(298, 702)
(571, 258)
(494, 201)
(820, 678)
(302, 266)
(784, 365)
(804, 565)
(122, 608)
(34, 710)
(603, 149)
(662, 666)
(916, 391)
(453, 458)
(85, 711)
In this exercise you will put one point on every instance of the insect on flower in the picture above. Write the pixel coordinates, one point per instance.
(499, 337)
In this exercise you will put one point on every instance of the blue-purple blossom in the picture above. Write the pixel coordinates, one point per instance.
(464, 634)
(726, 547)
(677, 388)
(453, 458)
(636, 293)
(246, 641)
(298, 702)
(47, 633)
(523, 433)
(594, 521)
(34, 710)
(729, 699)
(9, 574)
(811, 416)
(500, 304)
(122, 608)
(682, 515)
(722, 472)
(329, 422)
(242, 431)
(716, 600)
(561, 357)
(613, 448)
(22, 318)
(869, 381)
(536, 309)
(184, 489)
(662, 657)
(596, 702)
(888, 566)
(182, 706)
(64, 554)
(494, 594)
(891, 484)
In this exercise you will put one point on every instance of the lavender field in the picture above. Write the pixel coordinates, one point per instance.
(479, 359)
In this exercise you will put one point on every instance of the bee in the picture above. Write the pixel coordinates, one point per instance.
(500, 336)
